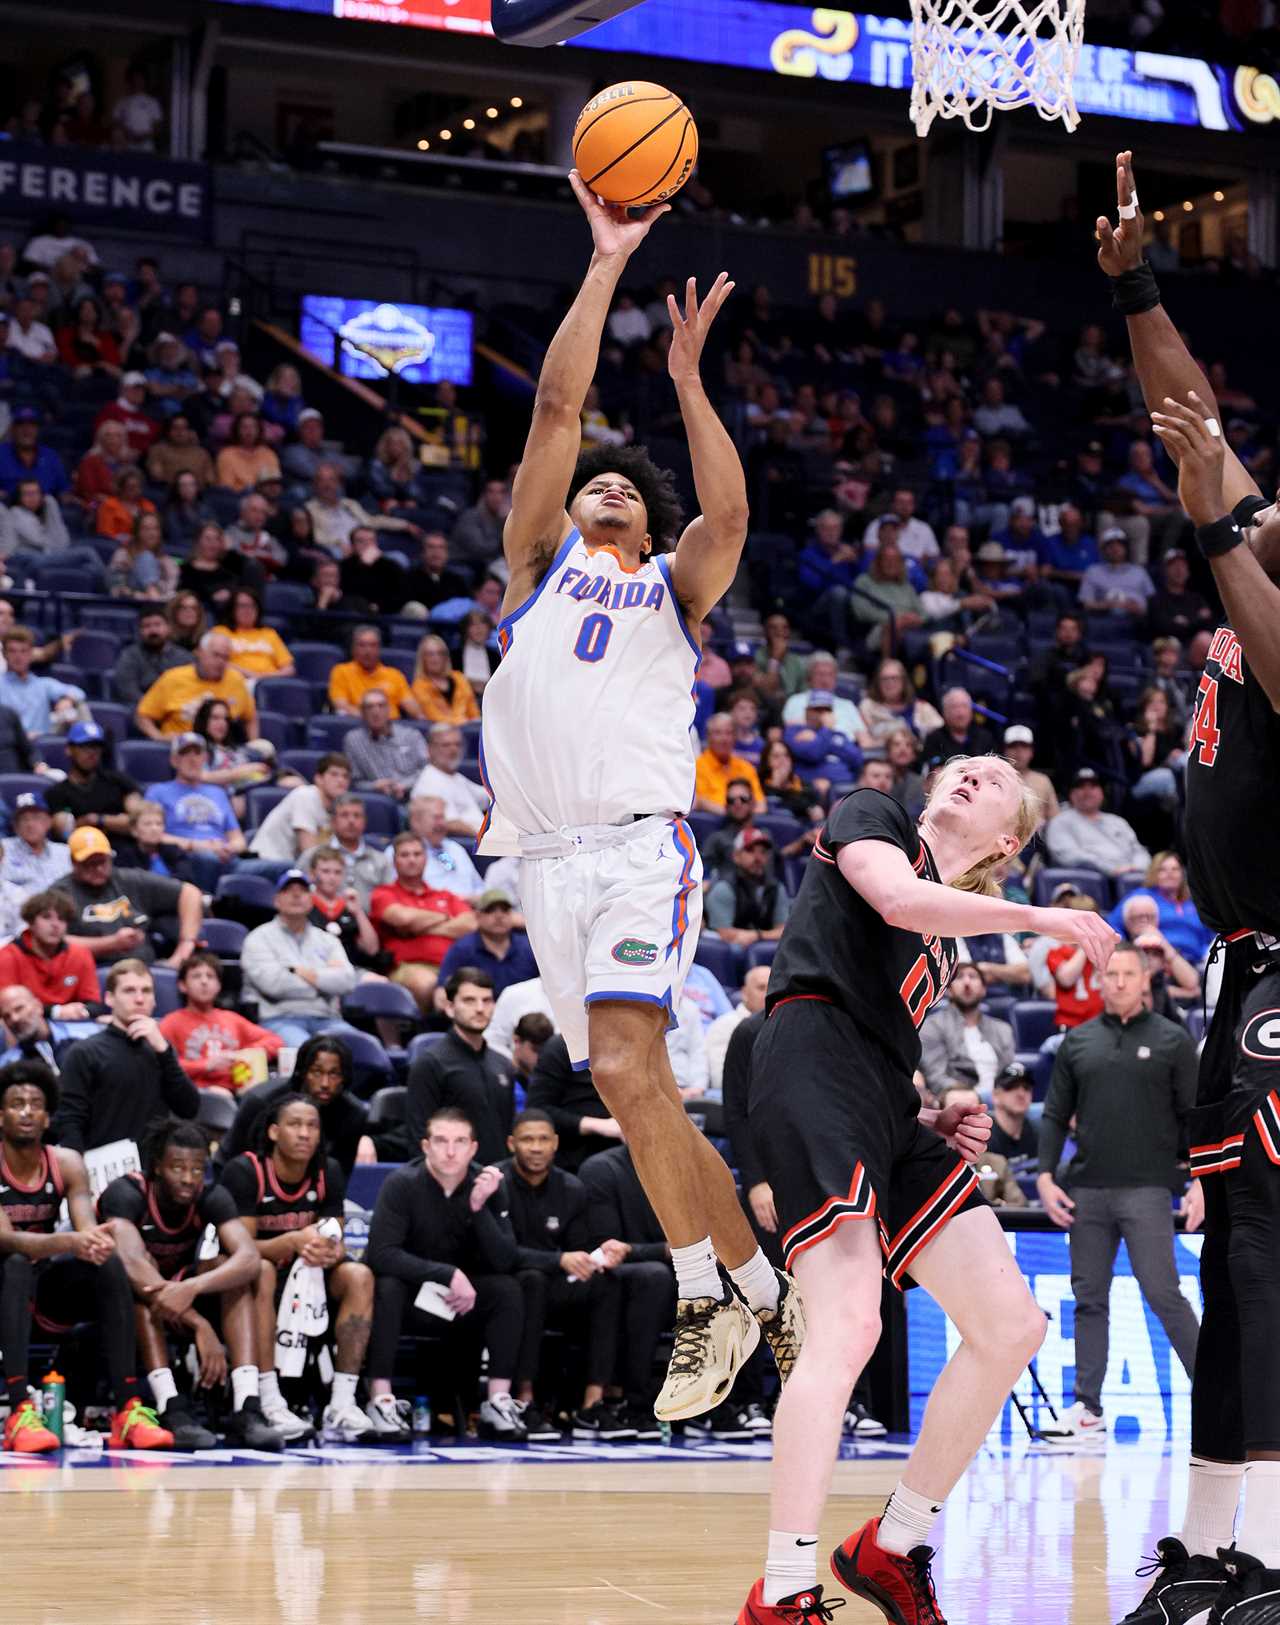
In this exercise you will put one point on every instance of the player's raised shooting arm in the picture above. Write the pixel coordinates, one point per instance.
(538, 523)
(1249, 595)
(710, 550)
(1165, 365)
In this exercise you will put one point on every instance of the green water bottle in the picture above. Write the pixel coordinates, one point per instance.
(53, 1394)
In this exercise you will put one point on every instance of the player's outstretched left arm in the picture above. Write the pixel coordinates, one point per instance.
(708, 554)
(1250, 597)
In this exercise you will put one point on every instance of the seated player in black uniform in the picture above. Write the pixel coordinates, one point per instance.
(160, 1217)
(559, 1278)
(282, 1192)
(1215, 1570)
(59, 1277)
(865, 1181)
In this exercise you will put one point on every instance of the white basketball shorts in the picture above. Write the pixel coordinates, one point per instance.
(615, 915)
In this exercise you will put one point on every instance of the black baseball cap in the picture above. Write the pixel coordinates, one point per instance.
(1014, 1076)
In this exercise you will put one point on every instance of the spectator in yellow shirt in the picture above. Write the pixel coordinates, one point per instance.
(444, 694)
(350, 681)
(717, 765)
(170, 704)
(256, 650)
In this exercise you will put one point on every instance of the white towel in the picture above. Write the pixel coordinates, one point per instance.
(304, 1310)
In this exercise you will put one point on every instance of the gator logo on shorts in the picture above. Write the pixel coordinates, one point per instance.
(631, 951)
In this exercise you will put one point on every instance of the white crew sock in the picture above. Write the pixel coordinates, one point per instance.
(1213, 1494)
(757, 1281)
(907, 1520)
(244, 1385)
(697, 1274)
(792, 1565)
(269, 1389)
(343, 1392)
(1260, 1524)
(163, 1387)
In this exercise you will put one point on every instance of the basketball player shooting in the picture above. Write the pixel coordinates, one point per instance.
(1209, 1573)
(587, 752)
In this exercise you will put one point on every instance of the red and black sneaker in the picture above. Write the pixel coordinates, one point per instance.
(900, 1587)
(801, 1608)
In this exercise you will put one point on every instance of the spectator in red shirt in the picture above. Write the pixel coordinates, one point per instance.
(416, 924)
(127, 410)
(1077, 989)
(206, 1039)
(104, 462)
(61, 976)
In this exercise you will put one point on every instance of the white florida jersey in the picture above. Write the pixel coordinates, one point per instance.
(587, 718)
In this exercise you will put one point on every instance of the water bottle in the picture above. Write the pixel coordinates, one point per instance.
(53, 1395)
(422, 1416)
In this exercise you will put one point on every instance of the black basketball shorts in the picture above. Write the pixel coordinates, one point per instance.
(833, 1117)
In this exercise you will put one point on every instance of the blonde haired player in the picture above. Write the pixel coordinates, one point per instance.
(588, 755)
(867, 1184)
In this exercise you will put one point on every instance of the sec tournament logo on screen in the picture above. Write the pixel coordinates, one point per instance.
(390, 336)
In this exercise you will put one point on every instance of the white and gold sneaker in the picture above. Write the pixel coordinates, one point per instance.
(783, 1327)
(715, 1337)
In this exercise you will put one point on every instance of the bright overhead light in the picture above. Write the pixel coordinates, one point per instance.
(517, 101)
(491, 112)
(1188, 206)
(424, 146)
(1159, 215)
(1219, 197)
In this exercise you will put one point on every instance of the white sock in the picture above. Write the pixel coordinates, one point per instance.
(244, 1385)
(697, 1274)
(792, 1565)
(1260, 1524)
(343, 1393)
(757, 1281)
(269, 1389)
(907, 1520)
(163, 1387)
(1213, 1493)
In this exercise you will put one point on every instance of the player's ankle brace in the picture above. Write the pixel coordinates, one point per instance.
(1134, 291)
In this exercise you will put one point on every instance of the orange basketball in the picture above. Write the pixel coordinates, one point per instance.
(635, 143)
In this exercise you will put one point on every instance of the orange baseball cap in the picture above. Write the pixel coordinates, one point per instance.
(88, 843)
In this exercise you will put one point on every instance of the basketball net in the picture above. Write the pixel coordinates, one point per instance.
(972, 58)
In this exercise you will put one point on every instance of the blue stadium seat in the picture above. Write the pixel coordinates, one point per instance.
(722, 959)
(146, 761)
(782, 826)
(168, 999)
(51, 749)
(260, 801)
(382, 999)
(387, 1107)
(255, 891)
(382, 815)
(703, 825)
(402, 659)
(1034, 1020)
(761, 953)
(17, 784)
(286, 597)
(314, 661)
(287, 695)
(95, 651)
(328, 732)
(283, 731)
(117, 720)
(1090, 881)
(223, 937)
(423, 1042)
(302, 761)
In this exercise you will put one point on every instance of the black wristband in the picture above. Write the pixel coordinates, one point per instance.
(1247, 510)
(1134, 291)
(1219, 537)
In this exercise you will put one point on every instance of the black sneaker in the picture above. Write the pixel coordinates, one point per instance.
(725, 1423)
(187, 1432)
(249, 1428)
(601, 1422)
(755, 1419)
(638, 1415)
(1250, 1594)
(1183, 1589)
(538, 1427)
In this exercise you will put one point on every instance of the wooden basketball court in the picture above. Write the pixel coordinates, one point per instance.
(475, 1536)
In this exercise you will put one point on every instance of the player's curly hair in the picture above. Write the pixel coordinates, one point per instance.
(163, 1132)
(655, 485)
